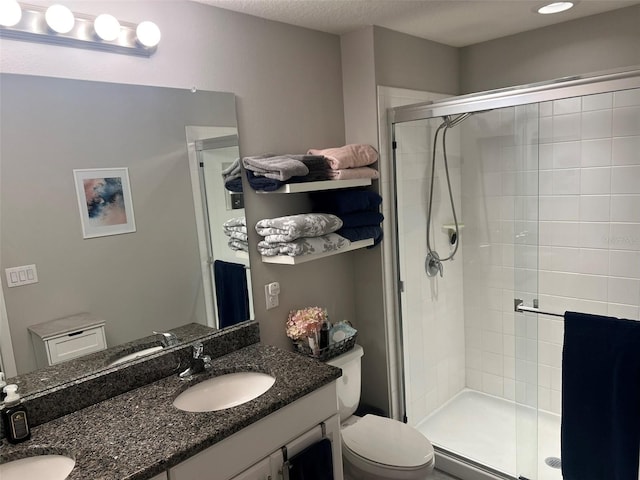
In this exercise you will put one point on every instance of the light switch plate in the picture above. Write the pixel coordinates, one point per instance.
(23, 275)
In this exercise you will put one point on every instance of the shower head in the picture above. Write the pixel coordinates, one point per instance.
(452, 122)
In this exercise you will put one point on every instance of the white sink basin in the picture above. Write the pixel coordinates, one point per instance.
(222, 392)
(134, 355)
(42, 467)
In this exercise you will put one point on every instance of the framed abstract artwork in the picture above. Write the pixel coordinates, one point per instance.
(104, 199)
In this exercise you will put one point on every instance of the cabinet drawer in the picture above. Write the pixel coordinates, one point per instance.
(75, 344)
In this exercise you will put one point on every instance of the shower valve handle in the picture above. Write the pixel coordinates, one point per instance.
(432, 264)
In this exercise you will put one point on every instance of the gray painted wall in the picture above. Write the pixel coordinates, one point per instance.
(288, 86)
(405, 61)
(361, 126)
(370, 57)
(591, 44)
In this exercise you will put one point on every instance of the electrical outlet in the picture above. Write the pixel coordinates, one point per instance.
(271, 292)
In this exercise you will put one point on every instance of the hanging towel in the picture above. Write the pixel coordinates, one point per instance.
(232, 293)
(349, 156)
(313, 463)
(340, 202)
(600, 432)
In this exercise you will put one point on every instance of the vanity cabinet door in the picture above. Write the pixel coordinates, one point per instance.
(260, 471)
(246, 453)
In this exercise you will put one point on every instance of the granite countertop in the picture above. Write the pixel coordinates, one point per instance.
(54, 375)
(140, 434)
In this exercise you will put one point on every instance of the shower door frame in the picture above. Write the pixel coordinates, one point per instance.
(574, 86)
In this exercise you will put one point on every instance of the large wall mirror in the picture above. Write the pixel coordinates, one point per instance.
(156, 278)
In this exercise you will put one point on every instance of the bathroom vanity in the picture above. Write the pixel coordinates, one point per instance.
(141, 435)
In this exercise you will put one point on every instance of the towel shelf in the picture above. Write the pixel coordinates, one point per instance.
(288, 260)
(322, 185)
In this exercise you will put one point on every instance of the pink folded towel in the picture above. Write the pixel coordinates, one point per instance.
(352, 173)
(349, 156)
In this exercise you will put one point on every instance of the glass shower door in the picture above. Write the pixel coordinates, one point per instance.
(471, 374)
(524, 178)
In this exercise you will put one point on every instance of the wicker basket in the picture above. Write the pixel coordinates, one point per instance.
(329, 352)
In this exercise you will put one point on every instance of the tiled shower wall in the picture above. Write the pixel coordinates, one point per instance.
(580, 240)
(550, 200)
(432, 308)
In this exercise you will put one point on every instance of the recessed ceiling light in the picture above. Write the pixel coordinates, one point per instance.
(555, 7)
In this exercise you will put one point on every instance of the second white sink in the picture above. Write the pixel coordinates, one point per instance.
(225, 391)
(42, 467)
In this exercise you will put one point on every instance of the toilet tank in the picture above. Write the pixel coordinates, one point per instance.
(348, 385)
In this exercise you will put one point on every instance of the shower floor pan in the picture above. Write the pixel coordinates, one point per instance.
(482, 429)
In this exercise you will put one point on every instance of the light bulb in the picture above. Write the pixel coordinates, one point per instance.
(59, 18)
(107, 27)
(556, 7)
(148, 34)
(10, 13)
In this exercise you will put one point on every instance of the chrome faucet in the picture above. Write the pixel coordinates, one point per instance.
(167, 339)
(199, 362)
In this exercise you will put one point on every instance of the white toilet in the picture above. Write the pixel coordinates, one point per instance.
(373, 447)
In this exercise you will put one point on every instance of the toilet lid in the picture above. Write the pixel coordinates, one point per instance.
(388, 442)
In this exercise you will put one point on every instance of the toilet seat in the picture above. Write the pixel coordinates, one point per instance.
(378, 471)
(384, 443)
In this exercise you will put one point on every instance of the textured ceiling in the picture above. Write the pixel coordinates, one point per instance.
(453, 22)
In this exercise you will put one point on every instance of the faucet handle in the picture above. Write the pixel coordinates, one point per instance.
(168, 339)
(198, 348)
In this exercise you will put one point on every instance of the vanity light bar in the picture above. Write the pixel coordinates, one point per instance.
(127, 38)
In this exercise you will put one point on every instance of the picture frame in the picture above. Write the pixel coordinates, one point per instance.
(104, 200)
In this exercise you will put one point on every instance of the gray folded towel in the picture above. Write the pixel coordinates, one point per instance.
(291, 227)
(238, 245)
(304, 246)
(232, 171)
(237, 235)
(235, 222)
(281, 167)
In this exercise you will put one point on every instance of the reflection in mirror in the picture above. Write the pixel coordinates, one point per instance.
(137, 283)
(220, 222)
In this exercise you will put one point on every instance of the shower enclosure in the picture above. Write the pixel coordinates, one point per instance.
(545, 180)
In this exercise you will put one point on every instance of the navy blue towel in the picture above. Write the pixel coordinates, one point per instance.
(346, 201)
(313, 463)
(263, 183)
(600, 431)
(361, 219)
(232, 293)
(234, 185)
(362, 233)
